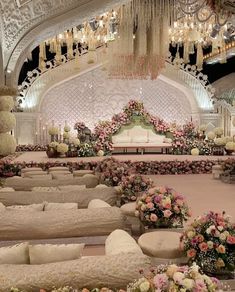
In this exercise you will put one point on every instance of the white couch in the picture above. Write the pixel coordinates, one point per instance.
(140, 138)
(118, 267)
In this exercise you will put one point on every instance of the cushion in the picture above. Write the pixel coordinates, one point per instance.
(60, 206)
(33, 173)
(167, 140)
(45, 189)
(17, 254)
(58, 168)
(62, 176)
(49, 253)
(93, 271)
(82, 172)
(101, 186)
(23, 170)
(33, 207)
(129, 209)
(121, 139)
(156, 139)
(139, 139)
(161, 244)
(71, 188)
(2, 207)
(7, 190)
(119, 241)
(97, 203)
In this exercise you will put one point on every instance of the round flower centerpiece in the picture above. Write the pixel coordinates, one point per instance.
(218, 132)
(210, 242)
(133, 186)
(62, 148)
(162, 207)
(53, 132)
(174, 278)
(230, 147)
(211, 136)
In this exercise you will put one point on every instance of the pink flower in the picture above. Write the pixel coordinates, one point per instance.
(150, 205)
(200, 285)
(203, 246)
(191, 253)
(231, 239)
(153, 217)
(167, 213)
(148, 200)
(160, 281)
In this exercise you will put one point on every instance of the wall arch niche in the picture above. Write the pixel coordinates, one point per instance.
(92, 97)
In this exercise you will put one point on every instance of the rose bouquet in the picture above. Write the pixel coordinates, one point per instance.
(132, 186)
(210, 242)
(162, 207)
(173, 278)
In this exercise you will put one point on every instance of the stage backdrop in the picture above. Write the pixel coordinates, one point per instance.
(92, 97)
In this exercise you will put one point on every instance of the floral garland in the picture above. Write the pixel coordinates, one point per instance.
(112, 170)
(29, 148)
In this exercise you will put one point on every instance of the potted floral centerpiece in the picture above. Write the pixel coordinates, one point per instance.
(132, 186)
(53, 132)
(162, 207)
(173, 278)
(52, 150)
(230, 147)
(62, 149)
(210, 242)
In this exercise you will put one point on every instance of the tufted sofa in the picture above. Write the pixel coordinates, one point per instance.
(141, 138)
(119, 266)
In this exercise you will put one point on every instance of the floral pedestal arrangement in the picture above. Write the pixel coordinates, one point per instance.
(162, 207)
(210, 242)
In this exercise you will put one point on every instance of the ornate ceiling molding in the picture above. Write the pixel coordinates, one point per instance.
(26, 26)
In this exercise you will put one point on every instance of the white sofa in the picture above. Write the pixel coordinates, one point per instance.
(140, 138)
(118, 267)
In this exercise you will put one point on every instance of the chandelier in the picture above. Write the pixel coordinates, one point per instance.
(139, 33)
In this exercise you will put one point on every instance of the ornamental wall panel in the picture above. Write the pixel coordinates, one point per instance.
(92, 97)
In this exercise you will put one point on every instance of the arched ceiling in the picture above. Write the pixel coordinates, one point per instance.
(24, 23)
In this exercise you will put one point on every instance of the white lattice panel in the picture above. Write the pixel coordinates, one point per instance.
(92, 97)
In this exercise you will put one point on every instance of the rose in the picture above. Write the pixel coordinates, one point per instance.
(178, 277)
(203, 246)
(171, 270)
(220, 263)
(153, 218)
(191, 234)
(188, 284)
(221, 249)
(150, 205)
(144, 286)
(191, 253)
(160, 281)
(167, 213)
(210, 244)
(222, 237)
(231, 239)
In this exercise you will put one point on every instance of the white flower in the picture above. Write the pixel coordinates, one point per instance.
(202, 128)
(171, 270)
(7, 121)
(222, 237)
(53, 131)
(228, 139)
(100, 153)
(190, 234)
(66, 135)
(178, 277)
(230, 146)
(195, 151)
(62, 148)
(7, 144)
(6, 103)
(188, 284)
(76, 142)
(211, 135)
(207, 279)
(218, 131)
(53, 144)
(144, 287)
(220, 141)
(210, 244)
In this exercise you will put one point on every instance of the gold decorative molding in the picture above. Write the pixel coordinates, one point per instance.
(5, 90)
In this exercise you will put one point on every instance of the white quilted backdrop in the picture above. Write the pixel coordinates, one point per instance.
(92, 97)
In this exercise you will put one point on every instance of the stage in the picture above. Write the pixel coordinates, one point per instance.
(41, 157)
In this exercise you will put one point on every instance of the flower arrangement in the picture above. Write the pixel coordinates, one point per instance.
(220, 141)
(162, 207)
(202, 128)
(54, 144)
(210, 242)
(7, 121)
(66, 135)
(76, 142)
(230, 146)
(67, 128)
(29, 147)
(211, 135)
(7, 145)
(79, 126)
(175, 278)
(132, 186)
(70, 289)
(218, 132)
(62, 148)
(52, 131)
(86, 150)
(6, 103)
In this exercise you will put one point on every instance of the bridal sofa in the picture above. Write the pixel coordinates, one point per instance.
(119, 266)
(82, 197)
(26, 184)
(140, 138)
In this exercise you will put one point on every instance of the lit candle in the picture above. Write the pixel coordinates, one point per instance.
(36, 138)
(46, 133)
(43, 135)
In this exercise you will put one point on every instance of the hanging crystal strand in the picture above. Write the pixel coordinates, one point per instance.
(186, 51)
(77, 58)
(69, 41)
(58, 56)
(199, 62)
(42, 56)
